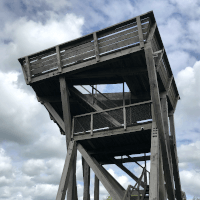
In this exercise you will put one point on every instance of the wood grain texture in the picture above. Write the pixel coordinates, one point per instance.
(140, 33)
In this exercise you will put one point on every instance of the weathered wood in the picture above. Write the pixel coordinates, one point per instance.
(96, 188)
(28, 69)
(104, 133)
(96, 46)
(58, 59)
(81, 66)
(140, 33)
(159, 121)
(122, 167)
(79, 57)
(154, 166)
(65, 107)
(152, 31)
(91, 125)
(175, 158)
(97, 170)
(64, 182)
(94, 106)
(125, 160)
(129, 41)
(86, 181)
(51, 65)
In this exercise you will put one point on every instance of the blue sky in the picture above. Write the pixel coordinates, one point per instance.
(32, 151)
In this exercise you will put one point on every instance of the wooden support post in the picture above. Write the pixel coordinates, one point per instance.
(98, 171)
(86, 180)
(154, 167)
(28, 69)
(96, 188)
(162, 189)
(175, 158)
(96, 46)
(64, 182)
(65, 107)
(91, 124)
(164, 106)
(58, 59)
(68, 128)
(159, 120)
(140, 33)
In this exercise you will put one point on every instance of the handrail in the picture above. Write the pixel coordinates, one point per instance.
(135, 104)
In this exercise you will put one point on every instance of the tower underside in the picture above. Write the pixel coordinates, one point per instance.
(67, 80)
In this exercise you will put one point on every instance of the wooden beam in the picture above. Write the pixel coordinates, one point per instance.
(175, 158)
(159, 120)
(140, 33)
(96, 188)
(65, 107)
(64, 182)
(28, 69)
(58, 59)
(86, 180)
(122, 167)
(154, 166)
(104, 133)
(152, 31)
(126, 160)
(98, 171)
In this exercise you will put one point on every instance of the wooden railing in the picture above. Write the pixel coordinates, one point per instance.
(111, 118)
(92, 46)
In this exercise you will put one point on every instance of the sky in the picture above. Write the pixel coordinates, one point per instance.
(32, 150)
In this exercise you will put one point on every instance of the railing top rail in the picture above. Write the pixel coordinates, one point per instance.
(116, 108)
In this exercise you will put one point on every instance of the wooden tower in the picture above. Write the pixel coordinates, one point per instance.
(102, 126)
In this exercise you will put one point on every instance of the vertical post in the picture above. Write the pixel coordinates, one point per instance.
(162, 190)
(124, 109)
(154, 166)
(175, 158)
(58, 59)
(72, 133)
(28, 69)
(86, 180)
(91, 124)
(96, 46)
(140, 33)
(96, 188)
(68, 129)
(159, 120)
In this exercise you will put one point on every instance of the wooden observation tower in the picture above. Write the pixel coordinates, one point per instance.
(103, 126)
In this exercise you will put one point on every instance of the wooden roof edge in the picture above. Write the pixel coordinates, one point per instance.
(53, 48)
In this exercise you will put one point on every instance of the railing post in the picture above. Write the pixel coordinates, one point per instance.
(96, 46)
(28, 69)
(91, 124)
(124, 113)
(58, 59)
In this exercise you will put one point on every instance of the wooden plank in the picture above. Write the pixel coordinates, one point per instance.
(118, 131)
(52, 65)
(24, 72)
(86, 181)
(130, 41)
(118, 39)
(98, 171)
(64, 182)
(118, 29)
(42, 61)
(132, 31)
(159, 121)
(96, 46)
(78, 58)
(175, 158)
(154, 166)
(69, 53)
(58, 59)
(96, 188)
(140, 33)
(28, 69)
